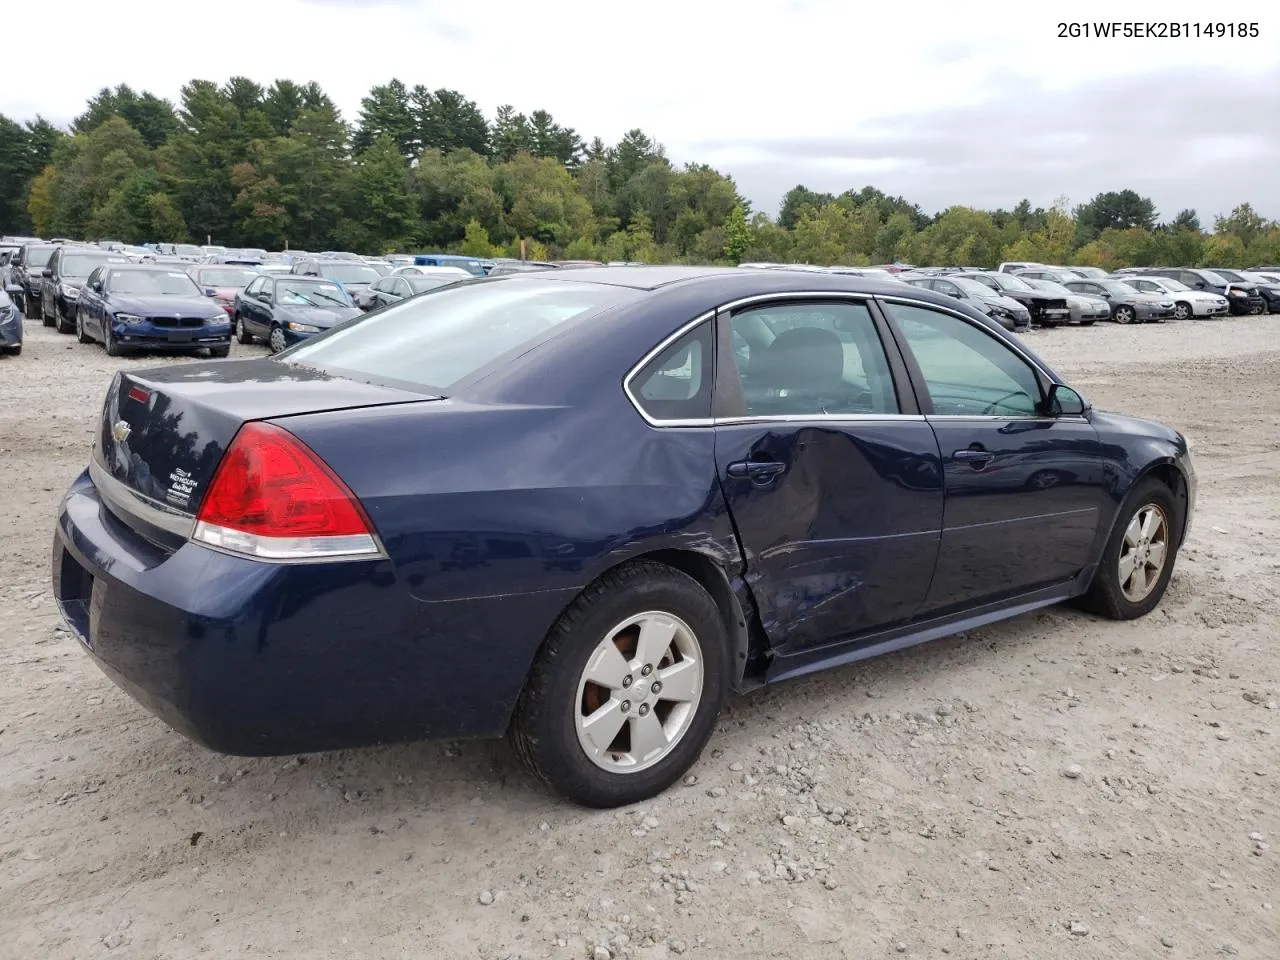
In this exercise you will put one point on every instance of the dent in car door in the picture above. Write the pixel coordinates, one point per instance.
(1024, 491)
(831, 476)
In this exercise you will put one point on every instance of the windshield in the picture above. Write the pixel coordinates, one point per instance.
(1168, 284)
(1118, 287)
(302, 293)
(83, 264)
(1010, 282)
(439, 339)
(164, 283)
(1230, 275)
(972, 286)
(39, 256)
(418, 284)
(225, 277)
(1261, 277)
(1051, 286)
(348, 272)
(187, 250)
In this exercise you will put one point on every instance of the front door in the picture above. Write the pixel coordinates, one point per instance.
(831, 475)
(1024, 490)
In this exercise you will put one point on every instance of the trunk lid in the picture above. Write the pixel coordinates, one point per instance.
(164, 430)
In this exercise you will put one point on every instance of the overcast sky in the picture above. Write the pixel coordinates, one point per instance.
(944, 103)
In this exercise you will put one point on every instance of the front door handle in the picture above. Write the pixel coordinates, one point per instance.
(976, 458)
(757, 470)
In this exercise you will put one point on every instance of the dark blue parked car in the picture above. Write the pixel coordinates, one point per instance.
(149, 307)
(10, 325)
(284, 310)
(582, 506)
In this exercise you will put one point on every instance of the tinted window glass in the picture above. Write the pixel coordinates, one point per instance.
(968, 372)
(349, 272)
(676, 384)
(446, 335)
(811, 359)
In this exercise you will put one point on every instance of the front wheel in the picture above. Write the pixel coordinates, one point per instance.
(276, 339)
(60, 319)
(80, 334)
(626, 690)
(1087, 323)
(1182, 311)
(1123, 314)
(1138, 559)
(219, 352)
(242, 334)
(45, 319)
(109, 341)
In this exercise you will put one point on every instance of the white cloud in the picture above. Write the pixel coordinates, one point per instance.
(689, 72)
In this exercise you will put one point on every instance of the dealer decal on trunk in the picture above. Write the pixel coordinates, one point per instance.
(181, 486)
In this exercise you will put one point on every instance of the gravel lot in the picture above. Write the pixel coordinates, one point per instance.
(1056, 786)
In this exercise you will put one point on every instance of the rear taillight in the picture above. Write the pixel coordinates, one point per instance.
(272, 498)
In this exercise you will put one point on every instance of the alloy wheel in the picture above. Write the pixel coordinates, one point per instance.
(277, 340)
(1143, 552)
(1124, 314)
(639, 692)
(1181, 311)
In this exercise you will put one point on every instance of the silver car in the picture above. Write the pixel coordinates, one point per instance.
(1086, 309)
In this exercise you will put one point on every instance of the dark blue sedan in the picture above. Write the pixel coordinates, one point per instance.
(144, 306)
(581, 507)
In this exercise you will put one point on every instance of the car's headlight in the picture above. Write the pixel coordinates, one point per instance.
(303, 327)
(69, 291)
(130, 318)
(1236, 293)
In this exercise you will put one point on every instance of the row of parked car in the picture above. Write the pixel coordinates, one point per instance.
(182, 297)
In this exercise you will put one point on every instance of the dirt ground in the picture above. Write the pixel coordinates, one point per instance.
(1055, 786)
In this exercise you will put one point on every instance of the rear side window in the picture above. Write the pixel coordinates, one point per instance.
(446, 335)
(676, 384)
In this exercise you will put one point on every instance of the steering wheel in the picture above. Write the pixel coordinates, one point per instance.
(992, 410)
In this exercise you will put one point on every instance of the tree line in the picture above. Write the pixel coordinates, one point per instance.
(278, 167)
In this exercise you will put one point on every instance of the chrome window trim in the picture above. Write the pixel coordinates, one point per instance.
(738, 304)
(118, 497)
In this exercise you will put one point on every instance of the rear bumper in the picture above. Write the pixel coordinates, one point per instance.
(262, 659)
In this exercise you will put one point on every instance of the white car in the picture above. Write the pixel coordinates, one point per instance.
(1187, 303)
(456, 272)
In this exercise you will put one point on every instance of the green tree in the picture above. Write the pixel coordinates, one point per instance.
(386, 111)
(446, 120)
(1113, 211)
(737, 235)
(796, 201)
(475, 240)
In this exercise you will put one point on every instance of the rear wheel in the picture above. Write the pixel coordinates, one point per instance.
(1138, 559)
(1182, 311)
(276, 340)
(1122, 314)
(627, 688)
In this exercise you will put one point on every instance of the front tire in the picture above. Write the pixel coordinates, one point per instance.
(1138, 560)
(45, 319)
(220, 352)
(1122, 314)
(276, 340)
(109, 341)
(80, 334)
(1182, 311)
(60, 319)
(242, 333)
(626, 690)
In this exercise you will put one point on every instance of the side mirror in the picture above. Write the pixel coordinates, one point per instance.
(1199, 284)
(1065, 402)
(46, 273)
(96, 286)
(209, 291)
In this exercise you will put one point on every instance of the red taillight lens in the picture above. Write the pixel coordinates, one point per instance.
(274, 499)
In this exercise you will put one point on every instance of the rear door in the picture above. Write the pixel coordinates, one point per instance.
(831, 474)
(1024, 490)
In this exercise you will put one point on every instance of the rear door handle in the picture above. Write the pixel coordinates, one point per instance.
(758, 470)
(976, 458)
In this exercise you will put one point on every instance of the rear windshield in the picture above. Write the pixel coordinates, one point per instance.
(445, 335)
(349, 272)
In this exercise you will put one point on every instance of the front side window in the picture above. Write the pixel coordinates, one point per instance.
(676, 384)
(811, 359)
(967, 371)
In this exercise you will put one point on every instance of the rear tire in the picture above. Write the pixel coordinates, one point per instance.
(602, 630)
(1112, 593)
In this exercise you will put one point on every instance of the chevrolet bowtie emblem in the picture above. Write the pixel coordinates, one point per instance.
(120, 430)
